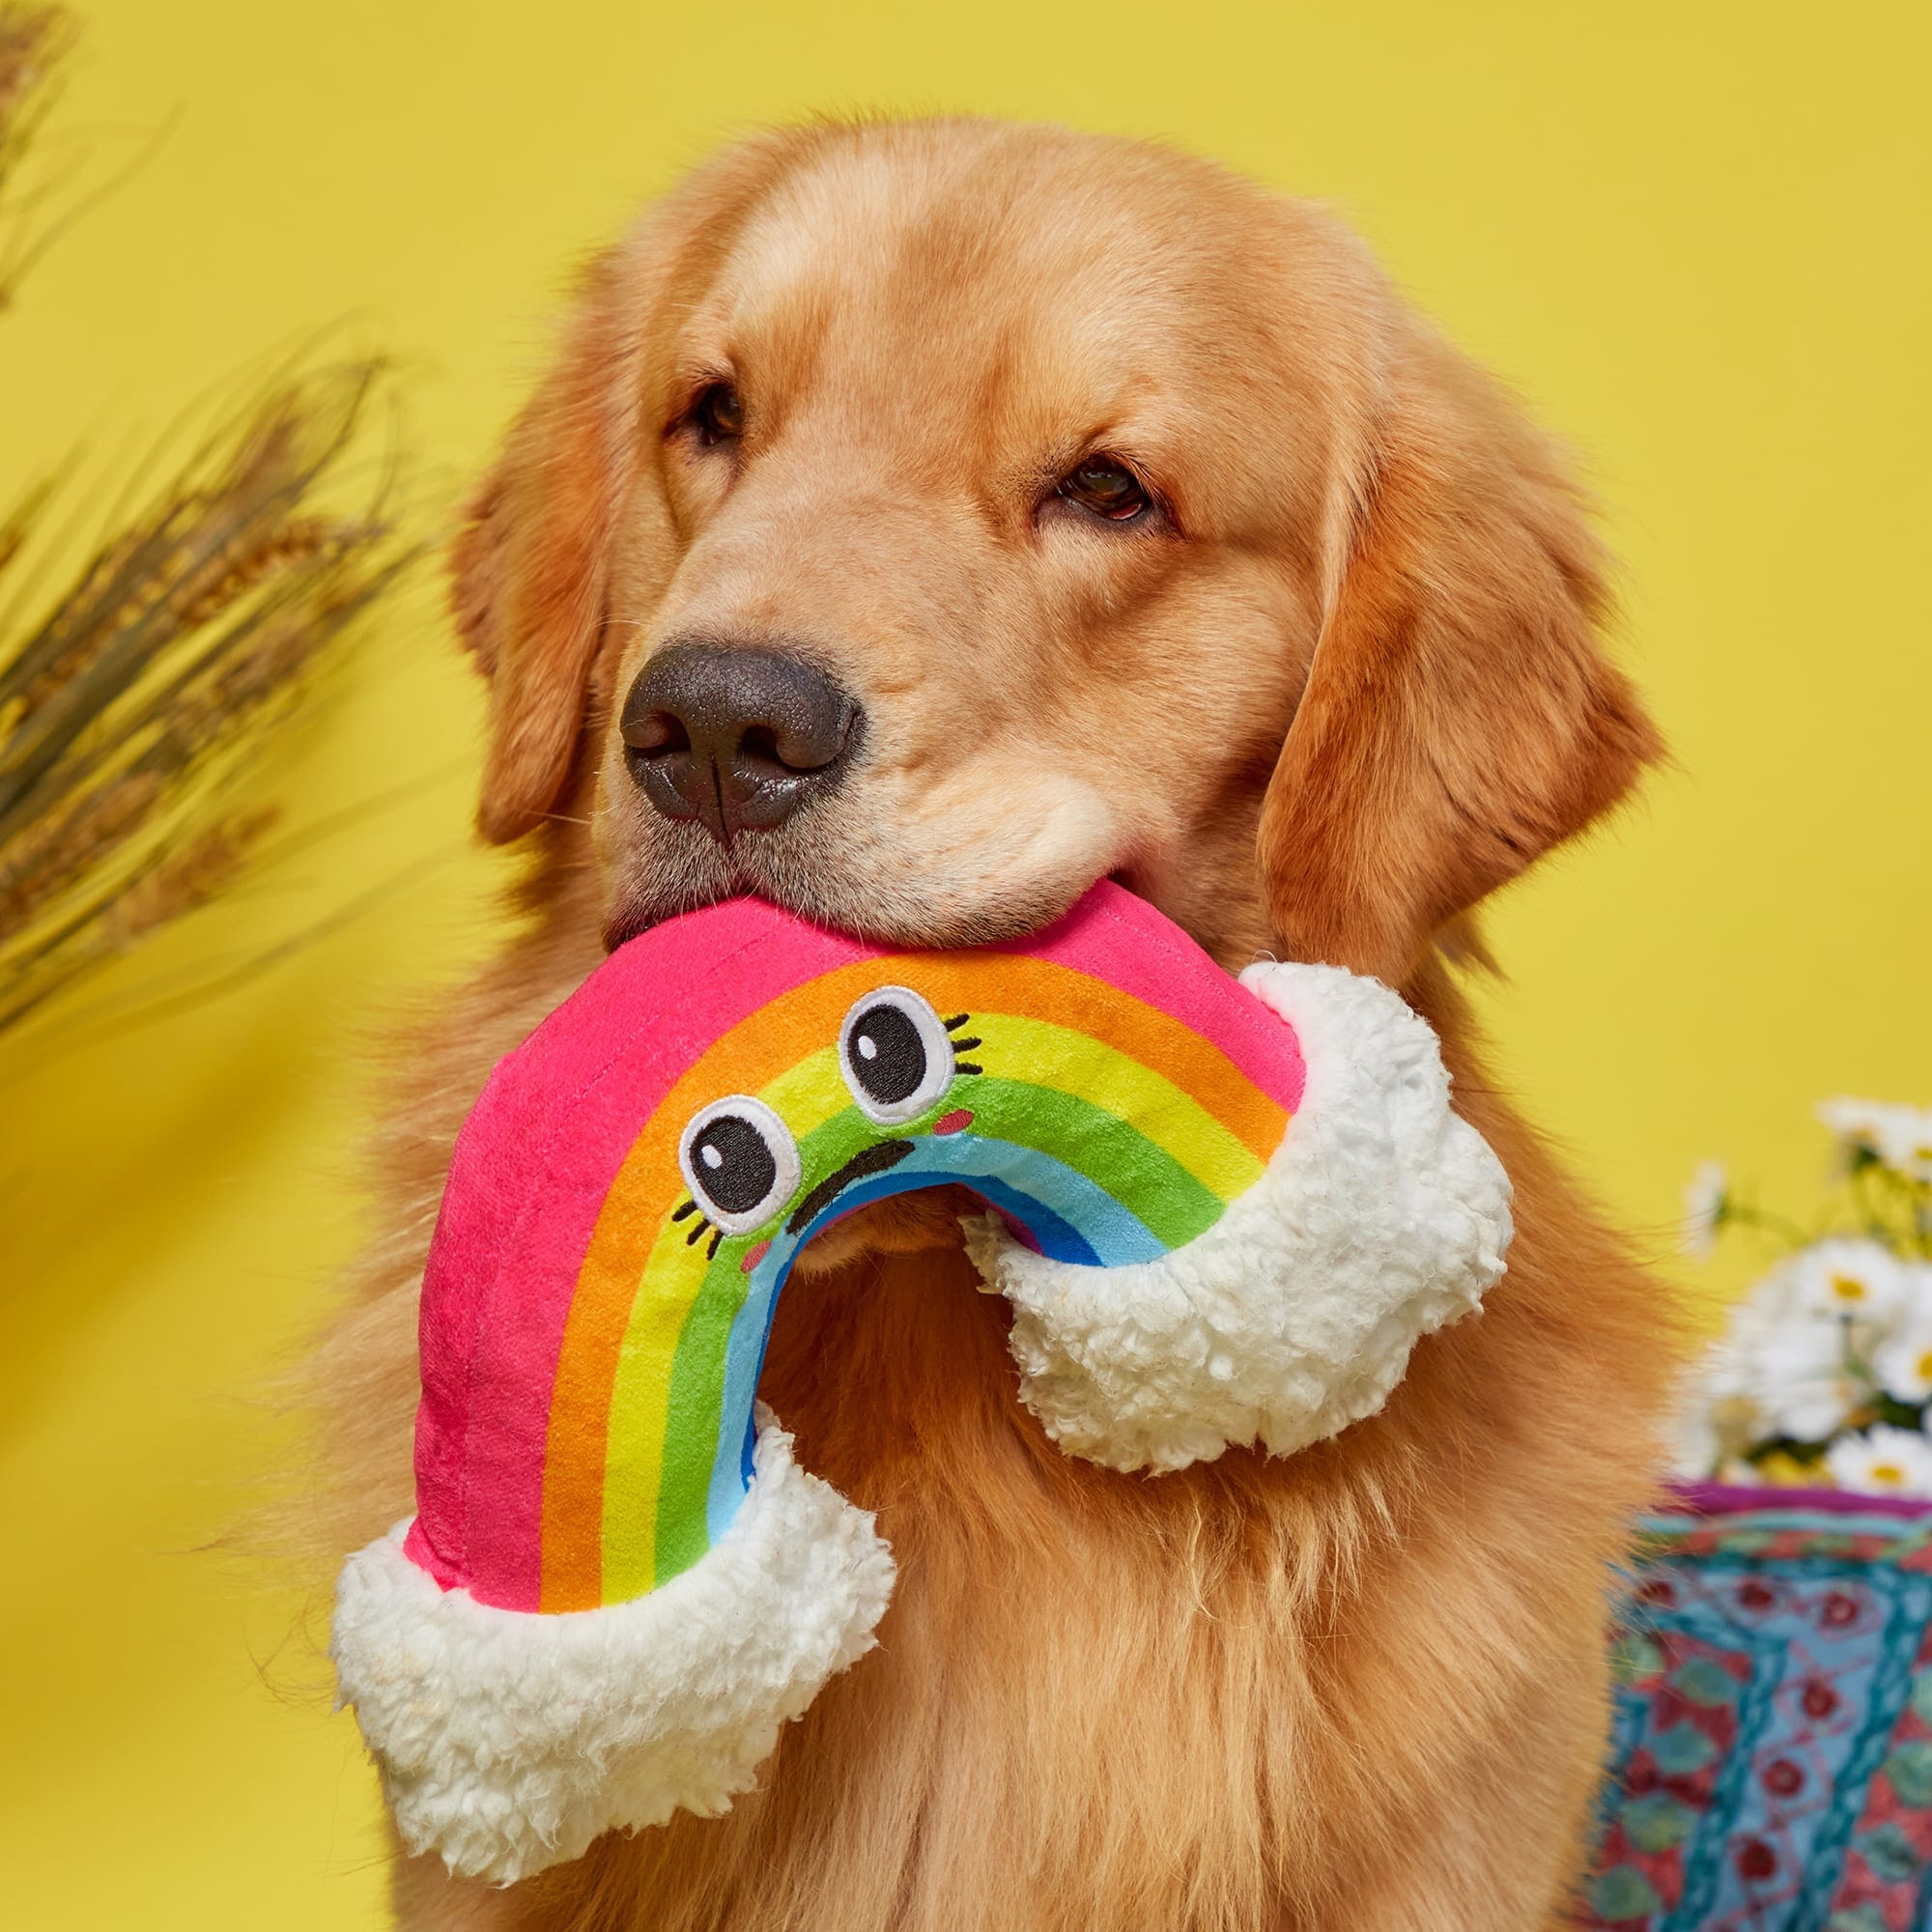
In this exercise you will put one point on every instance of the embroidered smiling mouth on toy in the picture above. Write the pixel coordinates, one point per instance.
(894, 1052)
(1223, 1213)
(1100, 1133)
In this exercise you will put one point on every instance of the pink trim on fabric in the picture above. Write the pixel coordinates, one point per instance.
(1735, 1498)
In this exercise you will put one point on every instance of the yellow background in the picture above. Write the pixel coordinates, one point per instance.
(1696, 237)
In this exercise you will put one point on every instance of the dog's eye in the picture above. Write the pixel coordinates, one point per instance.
(1107, 487)
(740, 1162)
(719, 414)
(895, 1054)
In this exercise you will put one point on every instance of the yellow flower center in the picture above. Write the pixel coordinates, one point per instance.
(1887, 1472)
(1923, 1152)
(1925, 1366)
(1848, 1288)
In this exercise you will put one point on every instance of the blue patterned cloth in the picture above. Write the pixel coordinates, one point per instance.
(1771, 1759)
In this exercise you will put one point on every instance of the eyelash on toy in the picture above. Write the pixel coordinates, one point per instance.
(699, 1234)
(684, 1209)
(964, 1045)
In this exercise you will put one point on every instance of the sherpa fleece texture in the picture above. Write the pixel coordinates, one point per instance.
(509, 1741)
(1383, 1216)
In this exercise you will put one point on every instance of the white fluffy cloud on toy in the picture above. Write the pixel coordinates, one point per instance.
(1383, 1216)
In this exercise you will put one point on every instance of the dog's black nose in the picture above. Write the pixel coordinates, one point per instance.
(737, 737)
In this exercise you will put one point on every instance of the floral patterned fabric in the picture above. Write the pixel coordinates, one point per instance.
(1771, 1760)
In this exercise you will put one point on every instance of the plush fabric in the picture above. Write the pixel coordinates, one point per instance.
(1772, 1762)
(1224, 1213)
(507, 1742)
(1382, 1216)
(594, 1311)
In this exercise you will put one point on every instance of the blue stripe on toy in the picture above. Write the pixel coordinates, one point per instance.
(1069, 1216)
(1058, 1241)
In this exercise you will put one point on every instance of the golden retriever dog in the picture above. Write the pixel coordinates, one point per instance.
(919, 522)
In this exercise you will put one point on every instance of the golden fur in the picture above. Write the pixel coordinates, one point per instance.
(1343, 682)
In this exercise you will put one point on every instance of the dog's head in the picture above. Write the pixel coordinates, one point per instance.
(922, 520)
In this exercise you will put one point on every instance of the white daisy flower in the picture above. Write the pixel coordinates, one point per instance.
(1897, 1135)
(1728, 1370)
(1903, 1365)
(1801, 1380)
(1915, 1302)
(1705, 1200)
(1902, 1361)
(1770, 1302)
(1882, 1461)
(1858, 1124)
(1907, 1146)
(1847, 1275)
(1709, 1432)
(1730, 1364)
(1692, 1445)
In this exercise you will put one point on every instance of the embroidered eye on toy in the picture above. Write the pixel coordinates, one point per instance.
(1223, 1213)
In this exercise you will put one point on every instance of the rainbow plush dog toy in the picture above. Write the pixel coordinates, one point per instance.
(1223, 1213)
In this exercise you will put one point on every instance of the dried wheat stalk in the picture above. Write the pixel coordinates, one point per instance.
(33, 40)
(130, 711)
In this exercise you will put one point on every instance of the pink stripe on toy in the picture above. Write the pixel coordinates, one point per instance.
(1122, 939)
(574, 1089)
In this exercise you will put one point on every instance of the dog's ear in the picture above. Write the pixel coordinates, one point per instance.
(1459, 716)
(529, 565)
